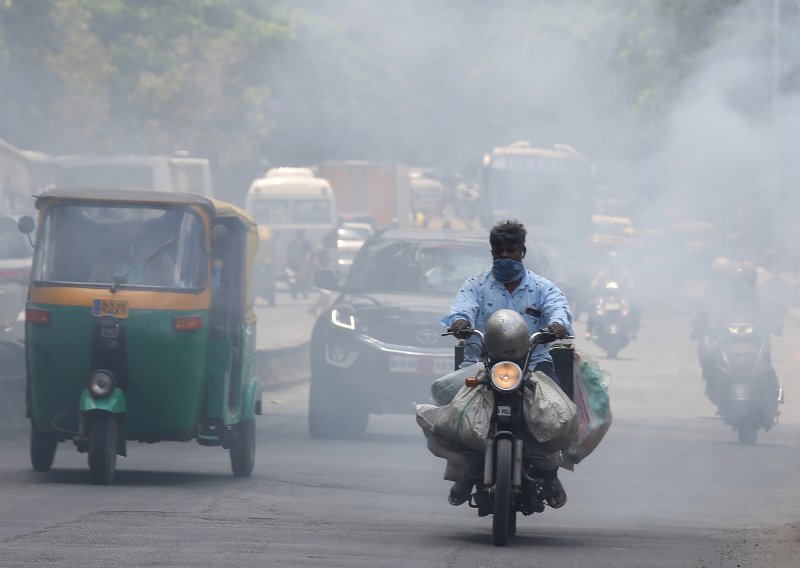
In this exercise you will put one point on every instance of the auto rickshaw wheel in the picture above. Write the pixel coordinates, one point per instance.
(103, 440)
(243, 448)
(43, 449)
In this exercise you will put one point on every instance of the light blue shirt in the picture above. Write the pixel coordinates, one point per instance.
(538, 300)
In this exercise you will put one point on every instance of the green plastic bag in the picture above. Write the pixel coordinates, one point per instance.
(590, 385)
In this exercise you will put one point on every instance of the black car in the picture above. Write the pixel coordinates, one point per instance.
(379, 346)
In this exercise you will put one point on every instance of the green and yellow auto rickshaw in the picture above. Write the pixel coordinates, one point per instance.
(140, 325)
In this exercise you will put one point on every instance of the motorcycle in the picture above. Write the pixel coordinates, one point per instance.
(741, 380)
(510, 483)
(611, 326)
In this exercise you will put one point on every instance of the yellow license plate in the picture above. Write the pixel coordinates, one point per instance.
(116, 308)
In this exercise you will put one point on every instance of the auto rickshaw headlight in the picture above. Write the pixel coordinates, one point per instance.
(506, 376)
(101, 384)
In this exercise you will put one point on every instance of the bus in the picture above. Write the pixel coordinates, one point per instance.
(546, 186)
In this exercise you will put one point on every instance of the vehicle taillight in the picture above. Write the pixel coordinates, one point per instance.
(14, 273)
(36, 315)
(187, 323)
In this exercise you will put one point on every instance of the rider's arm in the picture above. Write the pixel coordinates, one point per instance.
(555, 307)
(465, 305)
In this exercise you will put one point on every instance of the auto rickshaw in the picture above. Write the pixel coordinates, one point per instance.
(140, 325)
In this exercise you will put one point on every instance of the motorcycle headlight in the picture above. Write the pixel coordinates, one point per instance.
(345, 317)
(101, 384)
(506, 376)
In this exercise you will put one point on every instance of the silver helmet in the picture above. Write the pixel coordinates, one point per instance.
(506, 336)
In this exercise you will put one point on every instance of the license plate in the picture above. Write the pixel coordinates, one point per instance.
(442, 366)
(612, 306)
(420, 365)
(504, 411)
(116, 308)
(403, 364)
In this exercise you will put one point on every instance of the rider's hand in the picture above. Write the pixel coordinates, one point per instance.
(458, 328)
(558, 330)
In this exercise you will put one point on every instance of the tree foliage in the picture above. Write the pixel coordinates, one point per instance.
(426, 81)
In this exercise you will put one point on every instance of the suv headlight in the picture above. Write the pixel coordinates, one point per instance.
(343, 316)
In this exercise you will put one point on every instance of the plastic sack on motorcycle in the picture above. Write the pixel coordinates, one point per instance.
(465, 421)
(444, 389)
(551, 417)
(460, 465)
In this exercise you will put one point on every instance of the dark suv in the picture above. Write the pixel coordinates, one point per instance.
(379, 346)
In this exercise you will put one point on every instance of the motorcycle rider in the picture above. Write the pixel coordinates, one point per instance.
(733, 288)
(509, 285)
(613, 270)
(299, 258)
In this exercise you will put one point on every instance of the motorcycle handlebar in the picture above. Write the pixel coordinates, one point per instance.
(541, 336)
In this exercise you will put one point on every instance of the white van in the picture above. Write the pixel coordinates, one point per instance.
(287, 200)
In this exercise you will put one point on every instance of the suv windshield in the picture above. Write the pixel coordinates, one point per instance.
(417, 266)
(126, 246)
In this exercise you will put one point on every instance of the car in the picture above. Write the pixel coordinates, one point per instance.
(379, 345)
(349, 239)
(15, 267)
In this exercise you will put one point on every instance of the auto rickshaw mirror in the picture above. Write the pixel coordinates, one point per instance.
(26, 224)
(220, 237)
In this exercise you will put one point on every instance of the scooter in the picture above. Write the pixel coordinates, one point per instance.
(741, 380)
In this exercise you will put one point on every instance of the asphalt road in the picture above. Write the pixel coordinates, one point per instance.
(669, 486)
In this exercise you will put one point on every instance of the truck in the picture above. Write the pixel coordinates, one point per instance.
(377, 190)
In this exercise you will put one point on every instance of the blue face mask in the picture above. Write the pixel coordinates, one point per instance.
(507, 270)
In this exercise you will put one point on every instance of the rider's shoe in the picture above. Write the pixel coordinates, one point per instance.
(460, 492)
(554, 494)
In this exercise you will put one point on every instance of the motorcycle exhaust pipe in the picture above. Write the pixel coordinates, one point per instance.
(488, 463)
(516, 469)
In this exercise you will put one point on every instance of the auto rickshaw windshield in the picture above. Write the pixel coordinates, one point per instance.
(121, 245)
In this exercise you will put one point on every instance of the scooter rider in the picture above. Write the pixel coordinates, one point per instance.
(733, 289)
(510, 285)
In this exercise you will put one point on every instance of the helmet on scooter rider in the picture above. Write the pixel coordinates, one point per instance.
(506, 336)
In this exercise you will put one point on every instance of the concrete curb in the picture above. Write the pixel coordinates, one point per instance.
(276, 368)
(281, 368)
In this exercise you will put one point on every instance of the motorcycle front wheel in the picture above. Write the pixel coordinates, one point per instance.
(501, 520)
